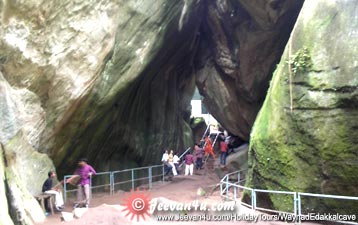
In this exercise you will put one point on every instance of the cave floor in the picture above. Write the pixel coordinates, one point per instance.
(105, 209)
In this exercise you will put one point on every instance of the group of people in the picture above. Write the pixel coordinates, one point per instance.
(170, 160)
(82, 175)
(195, 158)
(171, 163)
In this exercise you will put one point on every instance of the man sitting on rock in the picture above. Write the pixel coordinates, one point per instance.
(47, 188)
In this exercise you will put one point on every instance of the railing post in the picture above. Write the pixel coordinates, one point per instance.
(90, 187)
(253, 199)
(163, 173)
(150, 177)
(132, 179)
(227, 185)
(64, 189)
(111, 183)
(238, 177)
(235, 194)
(299, 208)
(295, 204)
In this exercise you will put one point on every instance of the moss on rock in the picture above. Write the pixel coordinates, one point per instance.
(314, 147)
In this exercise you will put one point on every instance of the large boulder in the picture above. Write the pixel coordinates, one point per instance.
(112, 80)
(241, 43)
(305, 137)
(107, 79)
(22, 168)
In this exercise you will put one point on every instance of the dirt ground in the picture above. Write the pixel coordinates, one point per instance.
(106, 209)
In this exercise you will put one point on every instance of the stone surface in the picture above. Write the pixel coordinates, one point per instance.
(24, 209)
(112, 80)
(22, 168)
(314, 147)
(79, 212)
(31, 166)
(4, 216)
(66, 216)
(240, 44)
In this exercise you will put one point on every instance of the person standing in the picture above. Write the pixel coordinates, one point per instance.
(165, 161)
(48, 188)
(176, 162)
(189, 164)
(198, 153)
(85, 172)
(209, 147)
(171, 162)
(223, 152)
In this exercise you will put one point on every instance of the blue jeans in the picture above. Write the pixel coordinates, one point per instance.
(223, 156)
(167, 168)
(199, 163)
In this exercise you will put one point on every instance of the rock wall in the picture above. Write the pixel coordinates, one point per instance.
(112, 80)
(241, 43)
(312, 148)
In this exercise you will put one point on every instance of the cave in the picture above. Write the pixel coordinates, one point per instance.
(112, 82)
(202, 49)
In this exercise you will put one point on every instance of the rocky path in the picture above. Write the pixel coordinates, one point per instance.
(106, 210)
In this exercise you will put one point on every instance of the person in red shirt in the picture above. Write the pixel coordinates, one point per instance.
(209, 147)
(189, 164)
(223, 152)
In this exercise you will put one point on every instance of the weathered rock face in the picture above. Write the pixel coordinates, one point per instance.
(22, 168)
(314, 147)
(112, 80)
(241, 42)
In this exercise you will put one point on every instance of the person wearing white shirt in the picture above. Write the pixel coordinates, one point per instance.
(165, 161)
(171, 162)
(176, 162)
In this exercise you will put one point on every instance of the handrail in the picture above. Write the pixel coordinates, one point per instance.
(297, 203)
(188, 149)
(112, 182)
(216, 138)
(136, 168)
(329, 196)
(207, 128)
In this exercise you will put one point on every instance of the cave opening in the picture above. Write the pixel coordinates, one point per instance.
(224, 53)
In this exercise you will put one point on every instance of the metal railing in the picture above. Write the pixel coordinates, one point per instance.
(126, 179)
(181, 156)
(135, 177)
(340, 197)
(226, 184)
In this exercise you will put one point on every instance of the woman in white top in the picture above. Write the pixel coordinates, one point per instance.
(176, 162)
(171, 162)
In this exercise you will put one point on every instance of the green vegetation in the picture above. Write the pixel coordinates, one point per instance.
(301, 62)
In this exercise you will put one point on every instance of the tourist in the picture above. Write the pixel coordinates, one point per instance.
(223, 152)
(198, 153)
(85, 172)
(47, 188)
(171, 162)
(209, 147)
(165, 161)
(176, 161)
(189, 164)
